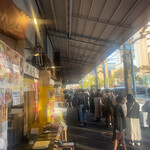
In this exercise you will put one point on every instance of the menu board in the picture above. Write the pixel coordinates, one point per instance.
(11, 76)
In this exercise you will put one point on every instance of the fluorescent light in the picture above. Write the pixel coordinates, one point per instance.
(53, 67)
(36, 54)
(35, 21)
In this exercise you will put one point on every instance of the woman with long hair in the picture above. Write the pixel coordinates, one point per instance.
(133, 130)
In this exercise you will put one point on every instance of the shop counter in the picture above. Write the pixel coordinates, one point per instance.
(53, 138)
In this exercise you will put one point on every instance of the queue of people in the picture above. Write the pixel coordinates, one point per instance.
(119, 111)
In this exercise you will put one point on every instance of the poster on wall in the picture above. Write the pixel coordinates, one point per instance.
(16, 97)
(11, 76)
(8, 96)
(2, 73)
(2, 96)
(16, 59)
(9, 55)
(21, 80)
(2, 51)
(16, 75)
(2, 63)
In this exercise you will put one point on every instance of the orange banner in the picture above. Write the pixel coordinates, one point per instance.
(12, 20)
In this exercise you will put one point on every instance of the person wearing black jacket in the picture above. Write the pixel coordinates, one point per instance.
(82, 104)
(119, 123)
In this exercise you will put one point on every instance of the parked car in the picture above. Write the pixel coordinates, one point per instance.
(119, 90)
(141, 92)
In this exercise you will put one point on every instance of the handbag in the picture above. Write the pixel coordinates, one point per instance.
(131, 107)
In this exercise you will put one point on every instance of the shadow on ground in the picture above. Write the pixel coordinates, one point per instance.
(96, 136)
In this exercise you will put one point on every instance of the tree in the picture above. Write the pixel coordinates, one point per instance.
(119, 74)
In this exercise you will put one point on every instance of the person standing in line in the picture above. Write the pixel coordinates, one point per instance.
(91, 101)
(119, 123)
(97, 99)
(76, 102)
(124, 108)
(82, 107)
(106, 102)
(133, 129)
(71, 98)
(88, 97)
(146, 108)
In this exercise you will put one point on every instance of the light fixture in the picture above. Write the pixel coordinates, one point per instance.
(35, 21)
(37, 54)
(53, 67)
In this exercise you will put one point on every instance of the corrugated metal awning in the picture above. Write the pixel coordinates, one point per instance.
(85, 32)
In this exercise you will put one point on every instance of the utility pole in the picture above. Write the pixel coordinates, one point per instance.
(96, 78)
(127, 71)
(129, 75)
(133, 73)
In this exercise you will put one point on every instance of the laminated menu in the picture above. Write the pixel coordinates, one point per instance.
(41, 145)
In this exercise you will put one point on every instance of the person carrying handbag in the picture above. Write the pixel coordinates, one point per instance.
(133, 129)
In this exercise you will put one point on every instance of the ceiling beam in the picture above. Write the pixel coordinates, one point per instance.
(72, 71)
(80, 41)
(55, 21)
(70, 5)
(82, 48)
(102, 22)
(75, 61)
(73, 35)
(77, 56)
(128, 13)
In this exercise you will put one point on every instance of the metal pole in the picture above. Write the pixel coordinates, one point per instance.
(105, 83)
(133, 73)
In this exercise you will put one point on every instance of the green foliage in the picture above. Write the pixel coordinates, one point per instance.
(119, 74)
(144, 67)
(101, 82)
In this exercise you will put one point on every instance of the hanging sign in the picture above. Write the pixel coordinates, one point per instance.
(36, 96)
(30, 70)
(13, 21)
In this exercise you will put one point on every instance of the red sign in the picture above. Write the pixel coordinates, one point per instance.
(36, 97)
(12, 20)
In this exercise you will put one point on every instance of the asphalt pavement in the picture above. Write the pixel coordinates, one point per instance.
(96, 136)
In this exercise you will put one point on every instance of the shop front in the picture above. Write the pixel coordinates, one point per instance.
(30, 102)
(13, 25)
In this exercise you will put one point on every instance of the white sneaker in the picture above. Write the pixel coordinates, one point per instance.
(131, 143)
(138, 144)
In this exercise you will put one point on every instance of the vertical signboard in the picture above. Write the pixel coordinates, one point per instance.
(36, 96)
